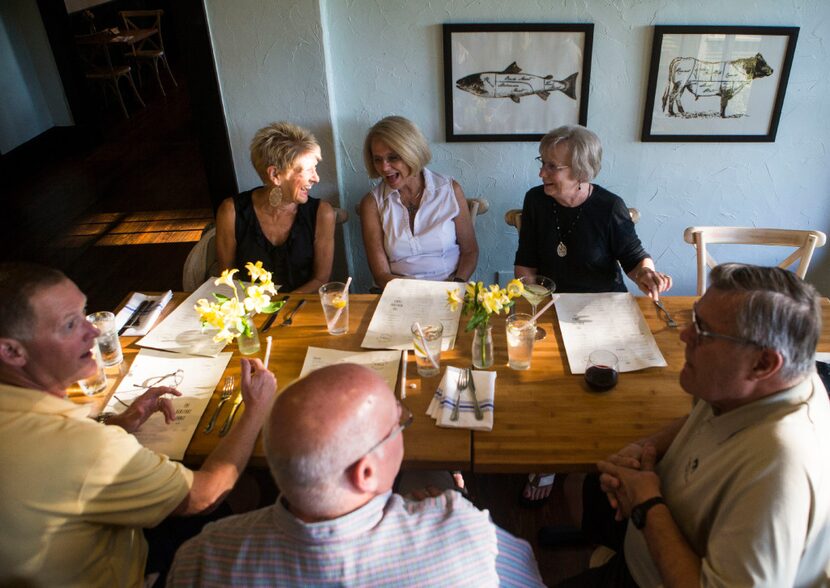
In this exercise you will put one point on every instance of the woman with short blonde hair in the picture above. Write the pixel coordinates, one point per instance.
(279, 223)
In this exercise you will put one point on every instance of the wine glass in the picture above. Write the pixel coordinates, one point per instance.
(536, 289)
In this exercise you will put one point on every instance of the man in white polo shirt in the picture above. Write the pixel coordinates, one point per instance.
(738, 492)
(74, 493)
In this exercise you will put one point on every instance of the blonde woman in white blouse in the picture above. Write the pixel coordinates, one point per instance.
(416, 223)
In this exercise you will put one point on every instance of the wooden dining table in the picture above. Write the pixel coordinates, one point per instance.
(545, 418)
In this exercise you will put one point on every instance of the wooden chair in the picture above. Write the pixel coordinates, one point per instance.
(97, 67)
(513, 217)
(805, 242)
(151, 49)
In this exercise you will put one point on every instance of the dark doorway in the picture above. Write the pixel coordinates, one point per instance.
(115, 202)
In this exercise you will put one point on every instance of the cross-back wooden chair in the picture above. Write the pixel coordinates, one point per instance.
(805, 242)
(151, 49)
(97, 65)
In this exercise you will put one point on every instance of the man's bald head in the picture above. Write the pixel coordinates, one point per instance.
(321, 425)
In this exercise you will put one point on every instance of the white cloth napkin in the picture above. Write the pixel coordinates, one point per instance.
(443, 402)
(148, 320)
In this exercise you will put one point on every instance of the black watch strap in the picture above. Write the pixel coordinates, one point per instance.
(639, 512)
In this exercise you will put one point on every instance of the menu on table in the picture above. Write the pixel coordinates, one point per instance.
(385, 363)
(611, 321)
(405, 301)
(194, 376)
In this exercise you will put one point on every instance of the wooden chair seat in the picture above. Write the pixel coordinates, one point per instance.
(107, 72)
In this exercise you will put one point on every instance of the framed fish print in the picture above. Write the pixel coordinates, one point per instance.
(515, 82)
(718, 84)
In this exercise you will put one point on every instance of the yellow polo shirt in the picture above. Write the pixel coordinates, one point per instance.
(74, 494)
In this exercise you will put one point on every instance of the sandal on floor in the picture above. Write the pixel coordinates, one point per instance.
(539, 484)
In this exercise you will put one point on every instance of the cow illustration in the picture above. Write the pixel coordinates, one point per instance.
(711, 78)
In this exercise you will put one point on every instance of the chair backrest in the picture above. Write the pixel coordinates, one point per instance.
(144, 19)
(513, 217)
(477, 206)
(805, 242)
(201, 261)
(93, 52)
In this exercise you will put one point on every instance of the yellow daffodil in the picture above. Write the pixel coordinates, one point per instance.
(256, 271)
(454, 298)
(484, 302)
(257, 298)
(226, 278)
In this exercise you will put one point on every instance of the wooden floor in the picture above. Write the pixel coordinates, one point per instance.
(119, 207)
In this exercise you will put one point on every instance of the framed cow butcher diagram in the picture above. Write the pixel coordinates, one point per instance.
(713, 83)
(515, 82)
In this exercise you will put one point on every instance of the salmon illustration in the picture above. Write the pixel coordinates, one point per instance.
(512, 83)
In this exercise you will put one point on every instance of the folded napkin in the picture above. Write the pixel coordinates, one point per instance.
(148, 318)
(444, 400)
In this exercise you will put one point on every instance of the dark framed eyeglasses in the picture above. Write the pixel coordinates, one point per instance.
(700, 332)
(549, 166)
(404, 420)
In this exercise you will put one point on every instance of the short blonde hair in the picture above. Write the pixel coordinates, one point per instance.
(280, 144)
(404, 138)
(584, 146)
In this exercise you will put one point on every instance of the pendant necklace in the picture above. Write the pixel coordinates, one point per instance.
(415, 204)
(562, 249)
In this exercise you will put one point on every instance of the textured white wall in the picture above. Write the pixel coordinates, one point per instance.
(371, 58)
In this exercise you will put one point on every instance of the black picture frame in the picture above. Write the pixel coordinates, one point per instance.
(737, 75)
(515, 82)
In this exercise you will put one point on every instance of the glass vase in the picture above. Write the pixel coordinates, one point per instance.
(483, 347)
(248, 342)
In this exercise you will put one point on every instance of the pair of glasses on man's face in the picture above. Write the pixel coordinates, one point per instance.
(700, 333)
(550, 166)
(404, 420)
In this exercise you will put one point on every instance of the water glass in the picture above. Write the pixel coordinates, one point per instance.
(521, 333)
(432, 334)
(97, 382)
(335, 300)
(108, 341)
(601, 370)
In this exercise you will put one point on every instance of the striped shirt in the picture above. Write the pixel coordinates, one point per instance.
(387, 542)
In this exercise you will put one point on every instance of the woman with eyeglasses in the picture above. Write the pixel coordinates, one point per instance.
(415, 222)
(279, 223)
(578, 233)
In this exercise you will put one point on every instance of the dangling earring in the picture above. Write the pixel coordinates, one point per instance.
(275, 196)
(579, 187)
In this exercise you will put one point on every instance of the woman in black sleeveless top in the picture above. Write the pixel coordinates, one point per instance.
(279, 224)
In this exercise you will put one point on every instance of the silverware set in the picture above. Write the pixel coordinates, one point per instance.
(288, 320)
(227, 391)
(669, 320)
(465, 380)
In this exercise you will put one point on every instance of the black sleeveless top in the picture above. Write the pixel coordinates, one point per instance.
(290, 263)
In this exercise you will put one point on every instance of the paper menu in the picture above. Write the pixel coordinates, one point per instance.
(385, 363)
(181, 330)
(198, 379)
(406, 301)
(610, 321)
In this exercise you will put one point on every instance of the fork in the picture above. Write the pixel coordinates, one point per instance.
(460, 385)
(287, 321)
(669, 320)
(227, 390)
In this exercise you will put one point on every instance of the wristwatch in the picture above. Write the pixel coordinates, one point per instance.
(639, 512)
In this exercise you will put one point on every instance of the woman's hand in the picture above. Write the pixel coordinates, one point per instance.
(649, 280)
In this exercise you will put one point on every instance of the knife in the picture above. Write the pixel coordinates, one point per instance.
(134, 318)
(476, 407)
(270, 320)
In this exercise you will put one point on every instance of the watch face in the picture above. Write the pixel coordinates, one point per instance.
(638, 516)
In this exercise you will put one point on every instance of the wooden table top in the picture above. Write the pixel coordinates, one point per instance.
(546, 419)
(115, 36)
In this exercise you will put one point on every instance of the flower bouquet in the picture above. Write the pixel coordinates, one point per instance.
(481, 303)
(234, 316)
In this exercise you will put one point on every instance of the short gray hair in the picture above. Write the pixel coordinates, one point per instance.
(19, 282)
(585, 148)
(280, 144)
(779, 311)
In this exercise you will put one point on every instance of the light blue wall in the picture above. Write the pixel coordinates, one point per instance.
(383, 57)
(31, 95)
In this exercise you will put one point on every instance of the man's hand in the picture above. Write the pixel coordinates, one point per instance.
(259, 386)
(629, 486)
(629, 457)
(144, 406)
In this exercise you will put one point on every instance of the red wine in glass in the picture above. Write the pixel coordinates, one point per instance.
(601, 377)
